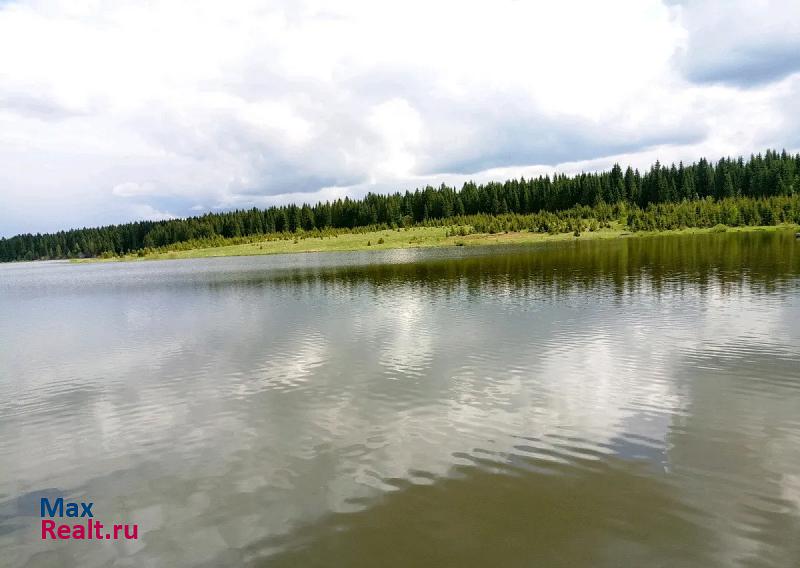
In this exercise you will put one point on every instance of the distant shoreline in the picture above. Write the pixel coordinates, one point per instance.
(415, 237)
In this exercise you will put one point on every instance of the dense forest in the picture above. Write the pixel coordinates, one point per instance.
(760, 190)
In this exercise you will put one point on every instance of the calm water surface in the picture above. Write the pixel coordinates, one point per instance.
(627, 403)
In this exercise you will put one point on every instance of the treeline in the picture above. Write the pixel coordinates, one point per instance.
(769, 175)
(697, 213)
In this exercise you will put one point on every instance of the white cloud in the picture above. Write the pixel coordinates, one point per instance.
(144, 212)
(740, 42)
(133, 189)
(399, 127)
(241, 103)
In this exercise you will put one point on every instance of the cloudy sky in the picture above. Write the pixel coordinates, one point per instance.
(115, 111)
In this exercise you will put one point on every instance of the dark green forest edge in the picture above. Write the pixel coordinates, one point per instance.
(762, 190)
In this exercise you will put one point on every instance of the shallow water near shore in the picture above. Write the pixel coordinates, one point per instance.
(631, 402)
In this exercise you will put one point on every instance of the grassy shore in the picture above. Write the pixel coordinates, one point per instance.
(414, 237)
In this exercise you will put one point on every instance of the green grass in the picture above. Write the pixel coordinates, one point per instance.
(415, 237)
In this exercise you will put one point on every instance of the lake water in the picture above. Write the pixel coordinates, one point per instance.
(624, 403)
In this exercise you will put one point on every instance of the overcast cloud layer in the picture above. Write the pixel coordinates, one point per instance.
(116, 111)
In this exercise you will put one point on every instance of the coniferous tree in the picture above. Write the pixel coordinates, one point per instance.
(552, 202)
